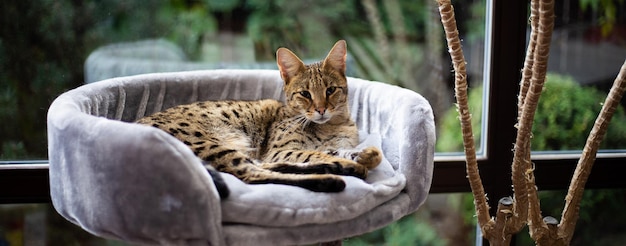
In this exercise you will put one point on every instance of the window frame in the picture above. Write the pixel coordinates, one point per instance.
(552, 170)
(28, 181)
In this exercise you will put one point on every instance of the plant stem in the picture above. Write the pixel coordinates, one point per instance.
(585, 163)
(521, 161)
(460, 81)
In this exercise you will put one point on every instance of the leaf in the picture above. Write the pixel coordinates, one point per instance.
(222, 5)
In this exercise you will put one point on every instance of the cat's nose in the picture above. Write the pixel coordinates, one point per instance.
(321, 111)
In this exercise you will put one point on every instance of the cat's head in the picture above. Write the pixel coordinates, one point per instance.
(318, 91)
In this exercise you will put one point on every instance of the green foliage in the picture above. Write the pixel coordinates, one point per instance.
(222, 5)
(409, 230)
(607, 11)
(40, 51)
(188, 24)
(450, 138)
(476, 24)
(44, 45)
(565, 114)
(307, 27)
(414, 15)
(13, 150)
(599, 215)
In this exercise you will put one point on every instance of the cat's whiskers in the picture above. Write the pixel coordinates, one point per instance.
(295, 121)
(304, 121)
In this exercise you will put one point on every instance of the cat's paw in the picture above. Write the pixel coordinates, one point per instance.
(369, 157)
(347, 168)
(323, 183)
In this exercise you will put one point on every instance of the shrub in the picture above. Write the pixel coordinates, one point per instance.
(565, 115)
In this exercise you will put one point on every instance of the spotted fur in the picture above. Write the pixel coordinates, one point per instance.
(267, 141)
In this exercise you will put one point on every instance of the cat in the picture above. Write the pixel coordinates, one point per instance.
(307, 141)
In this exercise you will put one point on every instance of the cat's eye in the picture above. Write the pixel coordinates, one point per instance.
(306, 94)
(330, 90)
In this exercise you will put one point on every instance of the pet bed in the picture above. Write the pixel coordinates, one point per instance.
(135, 183)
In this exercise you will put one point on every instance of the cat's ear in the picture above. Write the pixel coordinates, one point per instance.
(288, 63)
(336, 58)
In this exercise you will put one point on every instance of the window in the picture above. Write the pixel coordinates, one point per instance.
(399, 42)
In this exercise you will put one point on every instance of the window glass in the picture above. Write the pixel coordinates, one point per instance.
(47, 47)
(445, 219)
(44, 46)
(39, 224)
(588, 48)
(596, 205)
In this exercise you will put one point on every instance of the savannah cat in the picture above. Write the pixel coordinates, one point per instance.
(307, 141)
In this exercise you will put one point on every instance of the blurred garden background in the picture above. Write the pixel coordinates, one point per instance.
(44, 45)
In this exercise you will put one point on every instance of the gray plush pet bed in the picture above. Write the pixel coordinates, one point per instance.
(138, 184)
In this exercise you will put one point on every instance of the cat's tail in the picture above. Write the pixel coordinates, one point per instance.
(218, 181)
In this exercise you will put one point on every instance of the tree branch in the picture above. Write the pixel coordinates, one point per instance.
(583, 168)
(527, 72)
(458, 60)
(523, 179)
(521, 161)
